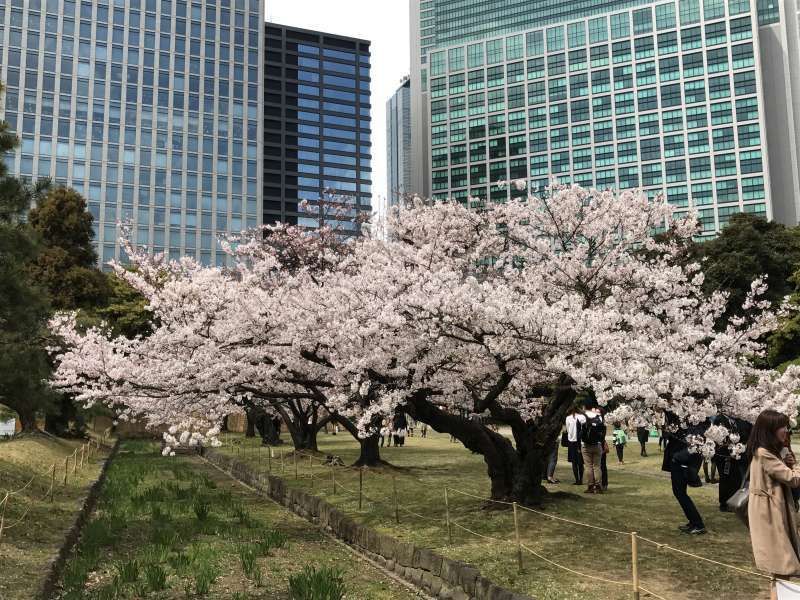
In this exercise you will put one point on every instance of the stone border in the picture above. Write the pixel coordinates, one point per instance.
(54, 570)
(442, 577)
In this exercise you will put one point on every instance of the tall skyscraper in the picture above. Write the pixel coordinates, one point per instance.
(695, 100)
(398, 143)
(317, 126)
(149, 108)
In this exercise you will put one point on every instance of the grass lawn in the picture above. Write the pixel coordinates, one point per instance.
(27, 547)
(639, 499)
(180, 528)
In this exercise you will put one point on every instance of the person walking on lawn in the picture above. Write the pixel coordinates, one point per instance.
(620, 438)
(683, 466)
(593, 434)
(573, 424)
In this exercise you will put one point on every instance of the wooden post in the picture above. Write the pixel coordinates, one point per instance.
(635, 564)
(83, 449)
(269, 461)
(295, 464)
(333, 478)
(283, 463)
(3, 514)
(360, 485)
(396, 507)
(516, 535)
(53, 482)
(66, 469)
(74, 461)
(447, 518)
(311, 466)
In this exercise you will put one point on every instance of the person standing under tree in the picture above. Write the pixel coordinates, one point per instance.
(683, 467)
(770, 508)
(573, 424)
(620, 438)
(593, 435)
(642, 434)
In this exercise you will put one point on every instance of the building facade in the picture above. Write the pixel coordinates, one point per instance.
(149, 108)
(689, 99)
(398, 143)
(317, 128)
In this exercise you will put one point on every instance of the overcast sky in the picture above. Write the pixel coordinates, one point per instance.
(382, 22)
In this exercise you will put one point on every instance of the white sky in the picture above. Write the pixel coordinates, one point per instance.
(385, 24)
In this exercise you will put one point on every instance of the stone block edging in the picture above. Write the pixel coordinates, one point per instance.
(442, 577)
(54, 569)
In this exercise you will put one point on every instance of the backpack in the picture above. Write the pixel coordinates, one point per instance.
(593, 431)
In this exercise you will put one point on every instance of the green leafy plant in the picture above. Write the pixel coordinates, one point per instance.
(240, 513)
(247, 556)
(179, 562)
(269, 540)
(156, 577)
(317, 584)
(202, 510)
(204, 577)
(128, 571)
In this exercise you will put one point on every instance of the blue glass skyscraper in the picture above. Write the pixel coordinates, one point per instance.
(317, 127)
(150, 108)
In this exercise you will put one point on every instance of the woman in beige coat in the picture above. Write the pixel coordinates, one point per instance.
(771, 510)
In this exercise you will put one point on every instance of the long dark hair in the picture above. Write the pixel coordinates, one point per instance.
(763, 434)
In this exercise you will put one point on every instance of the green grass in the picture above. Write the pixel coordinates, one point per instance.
(639, 499)
(179, 528)
(27, 548)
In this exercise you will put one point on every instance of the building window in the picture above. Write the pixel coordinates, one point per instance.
(620, 26)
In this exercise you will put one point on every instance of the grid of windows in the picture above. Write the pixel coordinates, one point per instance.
(149, 108)
(667, 101)
(317, 127)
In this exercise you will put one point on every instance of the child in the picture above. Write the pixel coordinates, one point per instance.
(620, 439)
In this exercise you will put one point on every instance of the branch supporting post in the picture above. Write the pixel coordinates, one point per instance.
(635, 564)
(516, 537)
(360, 486)
(447, 518)
(396, 506)
(3, 513)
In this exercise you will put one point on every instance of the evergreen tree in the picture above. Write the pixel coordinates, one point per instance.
(24, 307)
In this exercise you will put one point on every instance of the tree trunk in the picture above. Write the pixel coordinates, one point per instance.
(370, 455)
(27, 417)
(304, 435)
(266, 429)
(224, 426)
(515, 473)
(252, 415)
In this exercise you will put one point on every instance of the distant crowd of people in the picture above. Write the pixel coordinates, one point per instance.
(400, 427)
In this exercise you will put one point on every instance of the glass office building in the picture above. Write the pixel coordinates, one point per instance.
(667, 96)
(398, 143)
(317, 128)
(149, 108)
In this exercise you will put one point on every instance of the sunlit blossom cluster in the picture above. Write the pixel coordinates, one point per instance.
(475, 312)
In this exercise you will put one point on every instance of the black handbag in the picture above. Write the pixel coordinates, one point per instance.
(564, 439)
(738, 502)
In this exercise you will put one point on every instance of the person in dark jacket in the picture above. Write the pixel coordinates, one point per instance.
(683, 467)
(399, 426)
(731, 470)
(642, 434)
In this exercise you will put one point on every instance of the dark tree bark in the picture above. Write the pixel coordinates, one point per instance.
(252, 415)
(266, 429)
(224, 426)
(27, 416)
(370, 451)
(515, 469)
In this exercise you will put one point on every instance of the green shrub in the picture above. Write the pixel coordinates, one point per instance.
(247, 556)
(317, 584)
(204, 577)
(156, 577)
(269, 540)
(179, 562)
(128, 571)
(202, 509)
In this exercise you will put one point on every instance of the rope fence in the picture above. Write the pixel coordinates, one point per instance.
(78, 459)
(449, 523)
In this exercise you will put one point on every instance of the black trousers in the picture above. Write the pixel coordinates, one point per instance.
(576, 458)
(604, 470)
(731, 473)
(620, 451)
(680, 482)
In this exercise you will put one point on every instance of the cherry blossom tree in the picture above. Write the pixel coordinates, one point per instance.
(510, 311)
